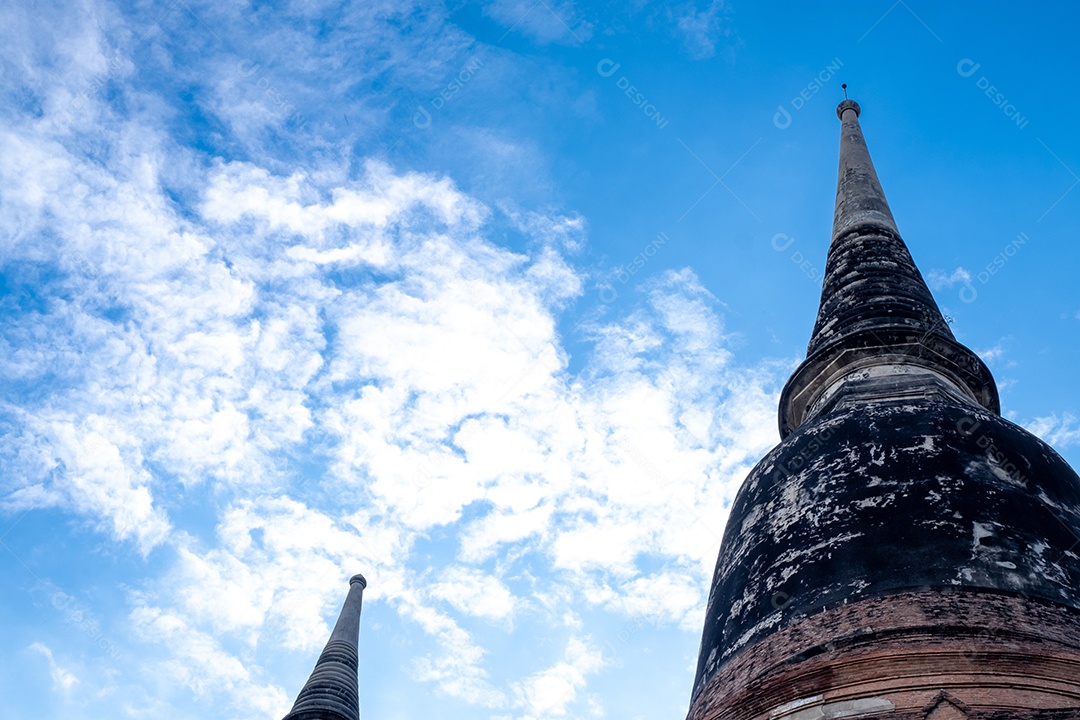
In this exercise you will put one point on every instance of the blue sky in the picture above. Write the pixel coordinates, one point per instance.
(491, 302)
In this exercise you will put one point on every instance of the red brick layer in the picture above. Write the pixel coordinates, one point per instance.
(1003, 656)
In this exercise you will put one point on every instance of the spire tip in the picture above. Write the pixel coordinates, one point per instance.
(846, 104)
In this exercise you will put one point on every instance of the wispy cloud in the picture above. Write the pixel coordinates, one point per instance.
(262, 375)
(62, 679)
(702, 28)
(940, 280)
(372, 325)
(543, 21)
(1061, 431)
(547, 693)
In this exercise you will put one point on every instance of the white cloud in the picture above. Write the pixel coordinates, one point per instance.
(63, 680)
(939, 280)
(322, 370)
(547, 693)
(665, 596)
(445, 388)
(555, 21)
(279, 568)
(99, 461)
(567, 232)
(702, 28)
(992, 354)
(197, 661)
(458, 670)
(1060, 431)
(474, 593)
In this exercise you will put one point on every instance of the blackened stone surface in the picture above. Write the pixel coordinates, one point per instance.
(870, 279)
(873, 295)
(878, 498)
(872, 283)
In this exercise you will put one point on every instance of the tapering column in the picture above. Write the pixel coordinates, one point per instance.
(331, 693)
(876, 314)
(860, 201)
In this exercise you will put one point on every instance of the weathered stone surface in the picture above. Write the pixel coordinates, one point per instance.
(870, 279)
(993, 652)
(874, 301)
(900, 518)
(883, 497)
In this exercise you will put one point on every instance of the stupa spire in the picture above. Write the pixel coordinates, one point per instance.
(860, 200)
(876, 310)
(331, 693)
(904, 551)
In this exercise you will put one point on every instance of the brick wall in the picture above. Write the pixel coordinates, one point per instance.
(1001, 656)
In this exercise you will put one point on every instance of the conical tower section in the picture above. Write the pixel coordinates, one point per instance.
(904, 550)
(331, 693)
(871, 282)
(876, 313)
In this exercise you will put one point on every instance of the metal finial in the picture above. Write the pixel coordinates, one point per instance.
(845, 90)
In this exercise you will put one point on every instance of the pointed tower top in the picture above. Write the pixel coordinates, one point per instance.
(876, 310)
(847, 104)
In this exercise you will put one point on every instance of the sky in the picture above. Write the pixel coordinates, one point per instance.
(491, 302)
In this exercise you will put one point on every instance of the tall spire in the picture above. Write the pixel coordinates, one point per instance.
(331, 692)
(903, 543)
(876, 311)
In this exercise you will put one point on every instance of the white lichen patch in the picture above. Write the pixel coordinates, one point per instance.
(751, 517)
(877, 455)
(770, 621)
(876, 501)
(979, 531)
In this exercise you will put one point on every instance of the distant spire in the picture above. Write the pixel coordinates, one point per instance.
(332, 693)
(875, 306)
(844, 86)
